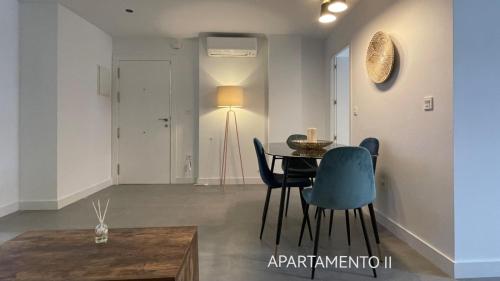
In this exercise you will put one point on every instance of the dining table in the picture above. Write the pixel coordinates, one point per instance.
(284, 152)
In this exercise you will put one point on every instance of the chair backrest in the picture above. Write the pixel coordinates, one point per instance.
(344, 179)
(299, 164)
(265, 173)
(372, 144)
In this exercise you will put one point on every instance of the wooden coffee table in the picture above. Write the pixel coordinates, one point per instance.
(169, 253)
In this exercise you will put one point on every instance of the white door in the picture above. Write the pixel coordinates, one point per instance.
(144, 122)
(340, 113)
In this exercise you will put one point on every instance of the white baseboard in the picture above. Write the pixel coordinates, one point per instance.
(456, 269)
(231, 181)
(477, 269)
(72, 198)
(34, 205)
(9, 209)
(184, 180)
(65, 201)
(437, 257)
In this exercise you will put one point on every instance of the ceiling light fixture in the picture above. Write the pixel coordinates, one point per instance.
(338, 6)
(326, 16)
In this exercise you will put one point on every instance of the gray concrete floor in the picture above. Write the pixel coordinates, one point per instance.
(229, 221)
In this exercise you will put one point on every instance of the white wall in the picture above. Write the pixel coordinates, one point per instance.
(251, 74)
(313, 86)
(296, 86)
(9, 106)
(476, 134)
(38, 104)
(285, 86)
(65, 148)
(83, 116)
(184, 90)
(415, 171)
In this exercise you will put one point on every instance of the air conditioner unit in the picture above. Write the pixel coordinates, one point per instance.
(234, 47)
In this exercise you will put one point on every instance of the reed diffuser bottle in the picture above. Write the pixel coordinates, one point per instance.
(101, 230)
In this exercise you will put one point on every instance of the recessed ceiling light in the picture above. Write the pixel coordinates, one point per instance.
(338, 6)
(130, 11)
(326, 16)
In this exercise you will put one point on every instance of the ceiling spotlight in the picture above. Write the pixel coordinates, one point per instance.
(326, 16)
(130, 11)
(337, 6)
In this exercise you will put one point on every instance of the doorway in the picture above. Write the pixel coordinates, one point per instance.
(144, 122)
(340, 98)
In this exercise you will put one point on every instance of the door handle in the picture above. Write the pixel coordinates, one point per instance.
(166, 121)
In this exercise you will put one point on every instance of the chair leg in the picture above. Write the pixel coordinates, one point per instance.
(348, 226)
(374, 222)
(367, 241)
(308, 222)
(303, 226)
(264, 213)
(355, 215)
(287, 201)
(316, 242)
(317, 212)
(331, 223)
(305, 210)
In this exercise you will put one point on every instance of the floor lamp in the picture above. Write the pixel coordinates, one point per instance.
(230, 97)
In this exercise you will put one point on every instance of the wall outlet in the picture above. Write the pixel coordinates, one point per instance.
(355, 111)
(429, 103)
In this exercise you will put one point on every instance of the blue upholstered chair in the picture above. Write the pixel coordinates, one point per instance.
(273, 180)
(344, 181)
(372, 144)
(299, 167)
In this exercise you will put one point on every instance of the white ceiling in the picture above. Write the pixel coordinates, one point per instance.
(188, 18)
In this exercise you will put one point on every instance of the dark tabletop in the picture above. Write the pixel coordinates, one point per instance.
(281, 149)
(130, 254)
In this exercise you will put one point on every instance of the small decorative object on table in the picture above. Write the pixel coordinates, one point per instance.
(101, 230)
(312, 135)
(311, 145)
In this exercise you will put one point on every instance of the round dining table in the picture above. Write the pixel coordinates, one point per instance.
(284, 152)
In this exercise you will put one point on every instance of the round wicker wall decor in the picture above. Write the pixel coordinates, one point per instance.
(380, 57)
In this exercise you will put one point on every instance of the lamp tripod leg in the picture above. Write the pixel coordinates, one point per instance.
(239, 148)
(224, 153)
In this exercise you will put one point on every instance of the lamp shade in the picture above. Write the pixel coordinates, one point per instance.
(229, 96)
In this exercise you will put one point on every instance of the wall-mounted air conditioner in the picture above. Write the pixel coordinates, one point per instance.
(235, 47)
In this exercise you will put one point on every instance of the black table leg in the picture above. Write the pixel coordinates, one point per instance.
(282, 203)
(272, 164)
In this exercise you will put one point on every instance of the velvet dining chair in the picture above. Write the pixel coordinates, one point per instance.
(344, 181)
(274, 180)
(298, 167)
(372, 145)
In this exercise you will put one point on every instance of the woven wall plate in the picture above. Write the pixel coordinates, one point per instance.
(380, 57)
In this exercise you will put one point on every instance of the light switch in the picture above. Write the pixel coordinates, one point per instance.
(429, 103)
(355, 111)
